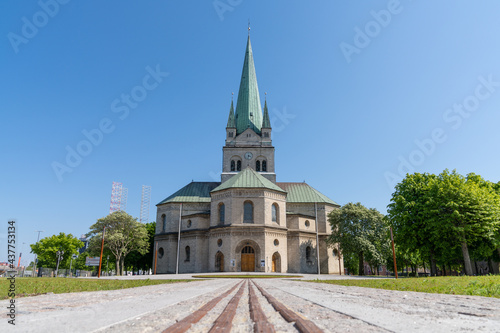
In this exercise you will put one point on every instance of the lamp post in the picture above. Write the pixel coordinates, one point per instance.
(36, 257)
(60, 254)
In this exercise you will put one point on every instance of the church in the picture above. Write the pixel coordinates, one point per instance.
(247, 222)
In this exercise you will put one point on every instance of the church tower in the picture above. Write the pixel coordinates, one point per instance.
(248, 130)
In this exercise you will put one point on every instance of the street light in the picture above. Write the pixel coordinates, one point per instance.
(36, 257)
(59, 258)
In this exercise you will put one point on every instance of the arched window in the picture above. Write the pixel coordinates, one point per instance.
(164, 222)
(161, 252)
(308, 253)
(248, 212)
(238, 166)
(188, 253)
(233, 166)
(264, 166)
(222, 212)
(275, 213)
(257, 166)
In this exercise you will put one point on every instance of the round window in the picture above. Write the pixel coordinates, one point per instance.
(276, 242)
(189, 223)
(307, 224)
(219, 242)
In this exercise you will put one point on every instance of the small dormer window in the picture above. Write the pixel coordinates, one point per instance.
(266, 134)
(230, 134)
(251, 114)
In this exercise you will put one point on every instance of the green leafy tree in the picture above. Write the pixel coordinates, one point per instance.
(360, 232)
(46, 250)
(123, 235)
(438, 215)
(410, 214)
(468, 212)
(136, 260)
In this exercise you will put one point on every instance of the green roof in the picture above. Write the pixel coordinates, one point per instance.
(302, 192)
(192, 192)
(248, 178)
(230, 119)
(266, 123)
(248, 108)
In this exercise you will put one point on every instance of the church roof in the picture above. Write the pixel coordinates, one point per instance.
(266, 123)
(192, 192)
(248, 108)
(302, 193)
(248, 178)
(230, 120)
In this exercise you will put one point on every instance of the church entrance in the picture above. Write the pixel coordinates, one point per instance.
(219, 262)
(276, 267)
(248, 259)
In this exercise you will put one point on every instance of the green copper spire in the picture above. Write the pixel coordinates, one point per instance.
(266, 123)
(230, 120)
(248, 109)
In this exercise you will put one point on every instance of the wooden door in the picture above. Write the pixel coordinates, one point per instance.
(248, 259)
(219, 262)
(276, 266)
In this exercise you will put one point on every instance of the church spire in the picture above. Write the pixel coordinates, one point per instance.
(248, 108)
(230, 119)
(266, 123)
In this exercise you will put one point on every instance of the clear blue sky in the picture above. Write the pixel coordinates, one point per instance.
(348, 96)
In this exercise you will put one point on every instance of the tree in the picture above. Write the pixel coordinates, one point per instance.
(46, 249)
(360, 232)
(439, 215)
(409, 214)
(136, 260)
(467, 211)
(123, 235)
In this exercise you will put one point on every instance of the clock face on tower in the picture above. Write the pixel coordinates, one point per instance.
(248, 156)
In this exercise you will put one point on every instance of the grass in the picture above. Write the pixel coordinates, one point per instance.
(488, 286)
(246, 276)
(28, 286)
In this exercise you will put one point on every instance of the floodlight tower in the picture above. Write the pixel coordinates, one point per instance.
(123, 199)
(145, 199)
(116, 195)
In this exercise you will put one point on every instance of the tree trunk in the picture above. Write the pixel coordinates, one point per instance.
(423, 264)
(117, 266)
(443, 268)
(433, 265)
(490, 266)
(361, 263)
(465, 252)
(122, 265)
